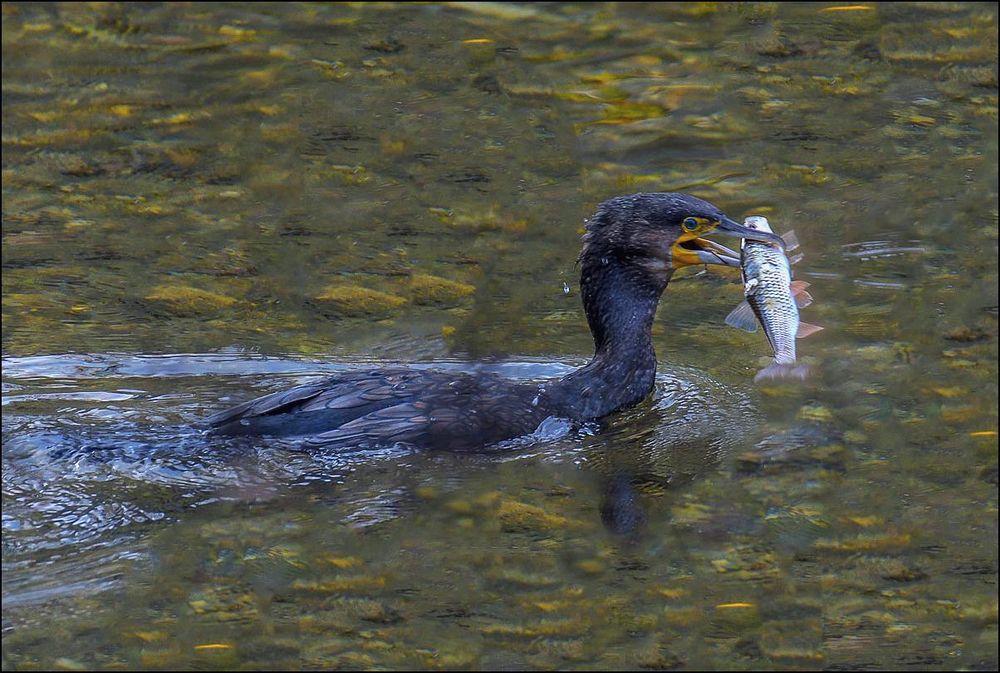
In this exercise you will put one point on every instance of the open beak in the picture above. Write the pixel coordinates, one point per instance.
(695, 251)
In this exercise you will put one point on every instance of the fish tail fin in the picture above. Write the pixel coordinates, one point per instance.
(780, 370)
(805, 329)
(742, 317)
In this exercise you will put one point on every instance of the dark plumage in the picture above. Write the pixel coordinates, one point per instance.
(631, 248)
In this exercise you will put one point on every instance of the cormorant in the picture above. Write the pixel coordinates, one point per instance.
(631, 247)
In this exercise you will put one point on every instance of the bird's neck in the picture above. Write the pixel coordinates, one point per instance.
(620, 302)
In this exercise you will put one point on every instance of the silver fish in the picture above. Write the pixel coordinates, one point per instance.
(774, 299)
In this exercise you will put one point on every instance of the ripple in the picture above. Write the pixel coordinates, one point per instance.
(74, 366)
(83, 396)
(79, 477)
(866, 250)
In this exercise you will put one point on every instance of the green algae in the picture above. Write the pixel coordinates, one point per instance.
(520, 516)
(431, 290)
(258, 172)
(182, 300)
(356, 301)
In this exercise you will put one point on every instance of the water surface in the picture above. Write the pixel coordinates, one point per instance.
(206, 202)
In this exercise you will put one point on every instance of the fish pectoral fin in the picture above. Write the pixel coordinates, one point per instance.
(805, 329)
(795, 259)
(742, 317)
(790, 239)
(802, 298)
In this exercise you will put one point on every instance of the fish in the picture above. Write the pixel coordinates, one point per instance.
(774, 300)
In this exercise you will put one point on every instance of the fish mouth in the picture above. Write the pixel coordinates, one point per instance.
(733, 228)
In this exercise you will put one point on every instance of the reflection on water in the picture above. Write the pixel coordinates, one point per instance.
(78, 482)
(358, 184)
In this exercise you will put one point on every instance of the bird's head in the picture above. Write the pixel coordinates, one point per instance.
(657, 233)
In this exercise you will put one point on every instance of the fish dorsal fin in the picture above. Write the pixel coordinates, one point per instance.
(790, 239)
(802, 298)
(805, 329)
(742, 317)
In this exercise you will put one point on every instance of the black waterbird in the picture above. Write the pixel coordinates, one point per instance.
(631, 247)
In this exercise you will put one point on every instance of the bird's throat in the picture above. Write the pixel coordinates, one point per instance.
(620, 303)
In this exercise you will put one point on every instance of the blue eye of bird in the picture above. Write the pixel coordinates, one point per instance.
(690, 224)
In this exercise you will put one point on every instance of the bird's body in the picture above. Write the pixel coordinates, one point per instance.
(449, 410)
(632, 245)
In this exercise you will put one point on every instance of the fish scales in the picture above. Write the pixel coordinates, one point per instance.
(772, 299)
(767, 280)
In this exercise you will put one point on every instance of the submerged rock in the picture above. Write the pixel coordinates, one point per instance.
(340, 585)
(520, 516)
(183, 300)
(429, 289)
(356, 301)
(545, 627)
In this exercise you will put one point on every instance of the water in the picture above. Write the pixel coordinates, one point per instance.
(198, 202)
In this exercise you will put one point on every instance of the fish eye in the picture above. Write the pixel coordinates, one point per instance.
(690, 224)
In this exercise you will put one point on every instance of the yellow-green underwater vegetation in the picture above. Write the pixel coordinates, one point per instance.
(205, 202)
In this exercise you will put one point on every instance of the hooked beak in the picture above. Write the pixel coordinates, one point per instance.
(702, 251)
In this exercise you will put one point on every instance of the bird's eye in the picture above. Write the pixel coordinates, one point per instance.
(690, 224)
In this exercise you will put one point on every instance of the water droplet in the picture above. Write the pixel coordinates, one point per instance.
(566, 289)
